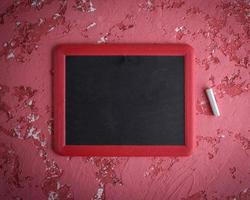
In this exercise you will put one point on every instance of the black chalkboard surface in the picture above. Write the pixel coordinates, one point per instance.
(123, 100)
(130, 100)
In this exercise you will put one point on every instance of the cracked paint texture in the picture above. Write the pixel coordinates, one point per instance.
(218, 30)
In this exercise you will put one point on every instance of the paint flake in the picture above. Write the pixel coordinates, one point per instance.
(124, 25)
(53, 196)
(10, 167)
(233, 172)
(232, 85)
(24, 128)
(181, 31)
(56, 15)
(23, 93)
(29, 102)
(212, 141)
(244, 141)
(93, 24)
(100, 193)
(11, 55)
(32, 117)
(17, 132)
(51, 29)
(28, 34)
(50, 126)
(103, 39)
(84, 6)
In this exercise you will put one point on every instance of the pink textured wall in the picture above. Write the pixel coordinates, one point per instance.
(218, 30)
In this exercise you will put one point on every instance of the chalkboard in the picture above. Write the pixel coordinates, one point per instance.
(124, 101)
(132, 100)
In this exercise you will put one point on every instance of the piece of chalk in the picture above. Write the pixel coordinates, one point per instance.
(212, 101)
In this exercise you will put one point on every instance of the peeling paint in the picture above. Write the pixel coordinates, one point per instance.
(219, 33)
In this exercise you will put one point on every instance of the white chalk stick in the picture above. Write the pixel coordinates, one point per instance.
(212, 101)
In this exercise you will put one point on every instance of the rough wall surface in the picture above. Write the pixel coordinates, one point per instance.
(218, 30)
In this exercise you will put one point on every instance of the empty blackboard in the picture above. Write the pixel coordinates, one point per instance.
(123, 101)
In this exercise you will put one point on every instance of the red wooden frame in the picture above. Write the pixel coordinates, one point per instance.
(121, 49)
